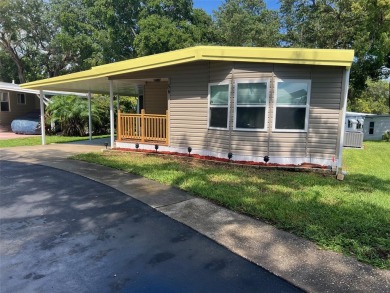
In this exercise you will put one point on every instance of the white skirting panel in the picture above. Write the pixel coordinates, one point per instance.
(236, 157)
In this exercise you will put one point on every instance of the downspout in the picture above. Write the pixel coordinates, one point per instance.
(42, 108)
(89, 116)
(343, 112)
(112, 114)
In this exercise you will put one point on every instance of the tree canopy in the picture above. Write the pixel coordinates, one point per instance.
(362, 25)
(247, 23)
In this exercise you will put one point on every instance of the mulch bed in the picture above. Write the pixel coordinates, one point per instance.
(304, 167)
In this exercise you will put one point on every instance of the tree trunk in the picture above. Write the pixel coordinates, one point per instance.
(14, 56)
(20, 67)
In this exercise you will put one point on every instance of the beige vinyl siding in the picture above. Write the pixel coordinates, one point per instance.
(286, 71)
(326, 95)
(220, 71)
(188, 109)
(156, 101)
(287, 144)
(187, 101)
(17, 110)
(188, 105)
(249, 143)
(252, 70)
(218, 141)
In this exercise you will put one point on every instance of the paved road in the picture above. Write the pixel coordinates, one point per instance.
(61, 232)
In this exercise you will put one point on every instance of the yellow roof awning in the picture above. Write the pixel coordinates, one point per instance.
(95, 79)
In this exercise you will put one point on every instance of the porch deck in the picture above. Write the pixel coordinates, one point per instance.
(143, 128)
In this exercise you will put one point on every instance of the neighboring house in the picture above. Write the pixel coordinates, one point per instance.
(15, 102)
(288, 104)
(353, 135)
(375, 126)
(354, 121)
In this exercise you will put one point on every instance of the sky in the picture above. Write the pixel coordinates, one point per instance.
(210, 5)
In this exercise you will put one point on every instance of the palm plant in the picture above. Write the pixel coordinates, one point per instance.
(72, 114)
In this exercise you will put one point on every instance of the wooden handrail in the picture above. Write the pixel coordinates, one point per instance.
(143, 127)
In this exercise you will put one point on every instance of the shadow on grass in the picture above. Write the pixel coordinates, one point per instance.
(336, 215)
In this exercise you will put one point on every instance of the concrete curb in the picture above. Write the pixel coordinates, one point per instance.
(297, 260)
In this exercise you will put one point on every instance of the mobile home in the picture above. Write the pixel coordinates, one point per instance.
(288, 104)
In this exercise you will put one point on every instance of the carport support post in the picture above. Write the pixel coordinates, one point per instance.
(112, 113)
(89, 116)
(42, 108)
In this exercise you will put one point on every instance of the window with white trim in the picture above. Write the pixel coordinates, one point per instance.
(219, 96)
(4, 102)
(251, 101)
(292, 105)
(21, 98)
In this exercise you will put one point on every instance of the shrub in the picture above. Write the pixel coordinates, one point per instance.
(71, 113)
(386, 136)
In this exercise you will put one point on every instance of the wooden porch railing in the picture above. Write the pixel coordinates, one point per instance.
(143, 127)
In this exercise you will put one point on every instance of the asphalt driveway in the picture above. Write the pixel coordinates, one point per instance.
(61, 232)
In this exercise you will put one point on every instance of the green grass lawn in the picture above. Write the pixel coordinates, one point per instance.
(350, 216)
(37, 140)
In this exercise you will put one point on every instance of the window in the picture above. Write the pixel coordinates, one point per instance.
(4, 102)
(219, 105)
(21, 99)
(292, 105)
(251, 99)
(371, 128)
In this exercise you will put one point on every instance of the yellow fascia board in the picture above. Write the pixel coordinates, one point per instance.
(78, 76)
(131, 65)
(324, 57)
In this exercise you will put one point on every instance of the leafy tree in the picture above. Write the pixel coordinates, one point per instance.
(203, 29)
(247, 23)
(319, 23)
(72, 47)
(23, 33)
(8, 71)
(175, 10)
(50, 38)
(170, 25)
(102, 31)
(160, 34)
(374, 99)
(362, 25)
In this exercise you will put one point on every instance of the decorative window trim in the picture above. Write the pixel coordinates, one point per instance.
(5, 95)
(19, 99)
(307, 106)
(266, 105)
(218, 106)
